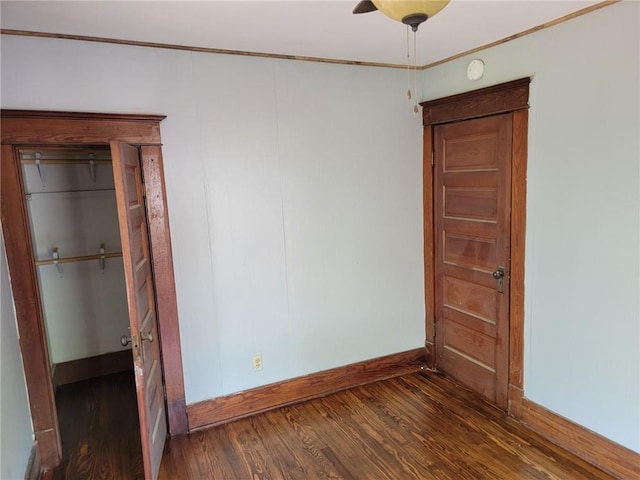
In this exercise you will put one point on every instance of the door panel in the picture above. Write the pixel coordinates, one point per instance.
(141, 303)
(467, 202)
(472, 196)
(464, 249)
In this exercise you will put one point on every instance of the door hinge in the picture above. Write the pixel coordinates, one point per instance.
(432, 159)
(433, 330)
(144, 190)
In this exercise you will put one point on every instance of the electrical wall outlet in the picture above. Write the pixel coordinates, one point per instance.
(257, 362)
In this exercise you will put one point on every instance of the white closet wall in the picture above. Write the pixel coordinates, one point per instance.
(84, 305)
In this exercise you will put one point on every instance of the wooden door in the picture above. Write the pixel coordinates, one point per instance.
(472, 198)
(141, 302)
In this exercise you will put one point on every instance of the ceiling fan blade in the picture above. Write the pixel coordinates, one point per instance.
(365, 6)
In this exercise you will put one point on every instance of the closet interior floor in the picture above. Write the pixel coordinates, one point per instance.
(99, 429)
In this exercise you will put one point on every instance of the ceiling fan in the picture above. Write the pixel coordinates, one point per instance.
(412, 13)
(409, 12)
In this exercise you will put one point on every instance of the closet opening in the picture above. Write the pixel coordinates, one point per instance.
(99, 152)
(73, 221)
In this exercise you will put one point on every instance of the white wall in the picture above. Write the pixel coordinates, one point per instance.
(16, 432)
(294, 191)
(582, 282)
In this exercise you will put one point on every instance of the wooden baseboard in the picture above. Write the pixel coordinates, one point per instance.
(605, 454)
(85, 368)
(430, 354)
(34, 467)
(49, 448)
(514, 402)
(249, 402)
(177, 415)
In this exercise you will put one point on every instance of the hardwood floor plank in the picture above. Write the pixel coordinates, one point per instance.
(289, 458)
(366, 430)
(343, 472)
(420, 438)
(430, 427)
(417, 426)
(311, 441)
(339, 431)
(248, 442)
(99, 429)
(507, 436)
(178, 460)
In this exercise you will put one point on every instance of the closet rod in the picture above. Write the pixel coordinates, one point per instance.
(69, 161)
(53, 192)
(81, 258)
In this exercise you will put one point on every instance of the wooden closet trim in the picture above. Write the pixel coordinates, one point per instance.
(164, 280)
(24, 285)
(503, 98)
(429, 247)
(61, 128)
(20, 127)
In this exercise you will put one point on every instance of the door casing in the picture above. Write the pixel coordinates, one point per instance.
(510, 97)
(41, 128)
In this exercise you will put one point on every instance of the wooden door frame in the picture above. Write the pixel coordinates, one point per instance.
(41, 128)
(510, 97)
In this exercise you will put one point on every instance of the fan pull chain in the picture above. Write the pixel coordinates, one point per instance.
(416, 108)
(408, 67)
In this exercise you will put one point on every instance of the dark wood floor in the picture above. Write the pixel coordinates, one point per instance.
(99, 429)
(418, 426)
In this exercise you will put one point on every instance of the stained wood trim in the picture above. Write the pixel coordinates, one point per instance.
(34, 468)
(518, 228)
(429, 266)
(537, 28)
(514, 399)
(92, 367)
(37, 128)
(231, 407)
(22, 127)
(219, 51)
(607, 455)
(100, 117)
(26, 294)
(502, 98)
(49, 447)
(162, 260)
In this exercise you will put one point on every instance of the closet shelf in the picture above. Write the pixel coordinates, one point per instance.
(50, 158)
(63, 161)
(54, 192)
(81, 258)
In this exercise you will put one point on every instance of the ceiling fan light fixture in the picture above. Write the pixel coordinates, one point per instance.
(414, 20)
(410, 12)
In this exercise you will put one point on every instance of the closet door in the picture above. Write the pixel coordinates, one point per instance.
(141, 304)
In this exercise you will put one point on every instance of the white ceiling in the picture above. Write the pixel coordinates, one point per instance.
(310, 28)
